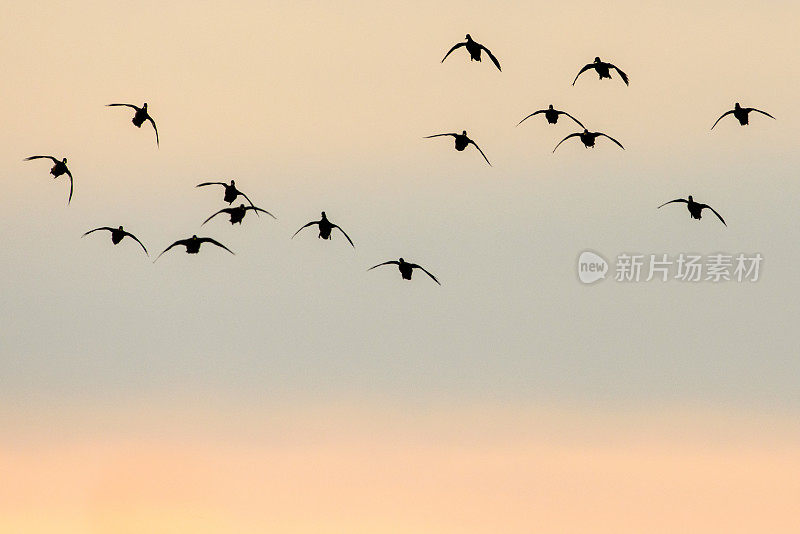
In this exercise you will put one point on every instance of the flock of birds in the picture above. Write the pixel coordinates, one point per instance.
(462, 141)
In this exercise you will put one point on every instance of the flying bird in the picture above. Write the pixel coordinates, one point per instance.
(238, 213)
(140, 116)
(588, 138)
(552, 116)
(406, 269)
(325, 228)
(742, 114)
(602, 69)
(474, 50)
(695, 208)
(192, 245)
(58, 169)
(117, 234)
(462, 142)
(231, 193)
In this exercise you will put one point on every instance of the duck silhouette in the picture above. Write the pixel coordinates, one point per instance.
(117, 234)
(231, 193)
(140, 116)
(603, 70)
(238, 213)
(474, 50)
(462, 142)
(551, 115)
(742, 114)
(695, 208)
(588, 138)
(192, 245)
(325, 229)
(406, 269)
(58, 169)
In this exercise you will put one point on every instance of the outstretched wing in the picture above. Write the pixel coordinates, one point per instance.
(494, 59)
(440, 135)
(259, 209)
(415, 266)
(608, 136)
(211, 183)
(454, 47)
(42, 157)
(720, 117)
(70, 186)
(224, 210)
(584, 69)
(214, 242)
(96, 229)
(154, 127)
(179, 242)
(390, 262)
(567, 137)
(671, 201)
(703, 206)
(126, 105)
(304, 226)
(481, 151)
(345, 234)
(137, 240)
(531, 115)
(621, 74)
(762, 112)
(573, 118)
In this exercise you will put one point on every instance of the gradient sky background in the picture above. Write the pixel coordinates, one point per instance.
(287, 390)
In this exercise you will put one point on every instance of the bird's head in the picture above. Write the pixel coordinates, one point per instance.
(241, 206)
(737, 106)
(64, 160)
(323, 215)
(144, 106)
(468, 37)
(690, 198)
(464, 133)
(402, 260)
(550, 106)
(597, 60)
(194, 237)
(120, 229)
(585, 131)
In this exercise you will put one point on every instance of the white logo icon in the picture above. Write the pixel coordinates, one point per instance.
(591, 267)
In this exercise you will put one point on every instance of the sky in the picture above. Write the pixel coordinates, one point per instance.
(288, 389)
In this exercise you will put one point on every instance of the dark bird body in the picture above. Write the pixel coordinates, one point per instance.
(231, 193)
(462, 142)
(474, 50)
(695, 208)
(551, 115)
(325, 229)
(588, 138)
(59, 168)
(192, 245)
(741, 114)
(603, 70)
(406, 269)
(238, 213)
(117, 234)
(140, 116)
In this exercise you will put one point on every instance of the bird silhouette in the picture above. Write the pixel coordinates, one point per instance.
(551, 115)
(462, 142)
(325, 229)
(117, 234)
(58, 169)
(231, 193)
(406, 269)
(602, 69)
(238, 213)
(192, 245)
(140, 116)
(588, 138)
(695, 208)
(742, 114)
(474, 50)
